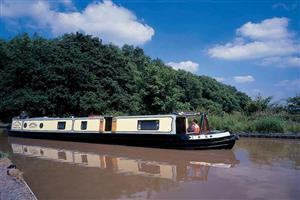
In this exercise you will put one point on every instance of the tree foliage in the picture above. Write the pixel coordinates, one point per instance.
(77, 74)
(293, 104)
(259, 104)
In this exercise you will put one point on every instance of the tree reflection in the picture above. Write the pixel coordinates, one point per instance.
(268, 151)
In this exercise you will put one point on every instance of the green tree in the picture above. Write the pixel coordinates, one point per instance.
(259, 104)
(76, 74)
(293, 104)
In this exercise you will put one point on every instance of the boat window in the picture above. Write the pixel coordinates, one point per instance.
(83, 125)
(148, 124)
(61, 125)
(84, 159)
(25, 125)
(41, 125)
(149, 168)
(62, 155)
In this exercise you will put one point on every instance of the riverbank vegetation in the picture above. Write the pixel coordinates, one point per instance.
(1, 131)
(261, 116)
(259, 122)
(3, 155)
(77, 74)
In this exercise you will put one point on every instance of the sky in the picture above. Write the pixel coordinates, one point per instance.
(253, 45)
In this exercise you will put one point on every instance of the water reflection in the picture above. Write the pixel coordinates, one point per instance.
(272, 151)
(255, 169)
(182, 165)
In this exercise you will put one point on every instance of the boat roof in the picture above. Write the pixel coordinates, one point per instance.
(183, 114)
(93, 117)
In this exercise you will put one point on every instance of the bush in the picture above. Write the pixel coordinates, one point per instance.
(235, 122)
(259, 104)
(263, 122)
(292, 127)
(3, 155)
(269, 125)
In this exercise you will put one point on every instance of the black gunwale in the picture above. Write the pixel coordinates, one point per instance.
(172, 141)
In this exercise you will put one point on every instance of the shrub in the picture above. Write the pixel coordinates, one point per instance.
(3, 155)
(259, 104)
(235, 122)
(269, 125)
(292, 127)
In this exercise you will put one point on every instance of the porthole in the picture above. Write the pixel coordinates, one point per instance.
(25, 125)
(41, 125)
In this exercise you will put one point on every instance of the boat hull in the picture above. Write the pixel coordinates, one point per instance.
(145, 140)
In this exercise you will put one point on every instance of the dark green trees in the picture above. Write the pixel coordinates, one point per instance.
(294, 104)
(259, 104)
(77, 74)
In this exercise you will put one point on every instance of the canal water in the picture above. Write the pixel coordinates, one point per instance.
(253, 169)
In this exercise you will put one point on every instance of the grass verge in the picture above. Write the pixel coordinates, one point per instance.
(260, 123)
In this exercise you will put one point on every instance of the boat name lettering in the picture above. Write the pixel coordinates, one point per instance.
(16, 125)
(195, 137)
(32, 125)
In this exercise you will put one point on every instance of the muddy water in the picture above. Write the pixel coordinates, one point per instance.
(253, 169)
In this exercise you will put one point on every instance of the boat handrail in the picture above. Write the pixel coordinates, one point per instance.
(189, 113)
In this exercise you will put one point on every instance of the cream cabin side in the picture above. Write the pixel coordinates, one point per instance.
(156, 124)
(47, 124)
(151, 124)
(58, 124)
(91, 125)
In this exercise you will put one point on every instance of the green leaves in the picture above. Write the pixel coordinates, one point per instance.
(259, 104)
(78, 75)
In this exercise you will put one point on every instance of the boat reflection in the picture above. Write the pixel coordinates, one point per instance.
(174, 165)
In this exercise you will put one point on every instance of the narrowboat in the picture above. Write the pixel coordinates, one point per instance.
(162, 131)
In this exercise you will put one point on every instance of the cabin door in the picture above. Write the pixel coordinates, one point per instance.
(180, 125)
(108, 123)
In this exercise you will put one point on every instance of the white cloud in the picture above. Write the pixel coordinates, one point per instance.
(109, 21)
(267, 39)
(291, 61)
(244, 79)
(220, 79)
(287, 88)
(252, 50)
(269, 29)
(294, 61)
(185, 65)
(289, 84)
(68, 4)
(287, 7)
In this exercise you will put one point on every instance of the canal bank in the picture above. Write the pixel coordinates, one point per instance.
(271, 135)
(12, 184)
(2, 131)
